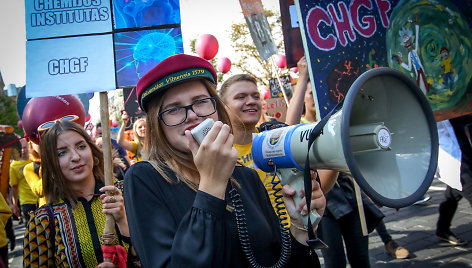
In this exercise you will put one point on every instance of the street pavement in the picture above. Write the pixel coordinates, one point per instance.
(412, 227)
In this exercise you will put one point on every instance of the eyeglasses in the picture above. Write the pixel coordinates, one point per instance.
(45, 126)
(176, 116)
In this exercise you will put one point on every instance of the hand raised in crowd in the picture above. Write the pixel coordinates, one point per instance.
(125, 117)
(302, 66)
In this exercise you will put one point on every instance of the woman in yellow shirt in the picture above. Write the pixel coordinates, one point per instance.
(139, 133)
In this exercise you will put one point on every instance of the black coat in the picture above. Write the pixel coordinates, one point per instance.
(173, 226)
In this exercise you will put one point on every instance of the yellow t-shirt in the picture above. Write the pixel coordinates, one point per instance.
(5, 214)
(35, 182)
(304, 120)
(245, 158)
(136, 155)
(17, 178)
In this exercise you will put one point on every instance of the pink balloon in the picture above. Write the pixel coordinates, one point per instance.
(224, 65)
(265, 92)
(115, 123)
(20, 124)
(281, 61)
(294, 69)
(206, 46)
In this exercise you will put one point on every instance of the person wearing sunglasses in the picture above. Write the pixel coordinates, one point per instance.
(193, 205)
(67, 230)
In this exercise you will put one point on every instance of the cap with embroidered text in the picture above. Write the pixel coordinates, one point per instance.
(171, 71)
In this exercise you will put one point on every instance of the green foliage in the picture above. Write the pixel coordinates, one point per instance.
(8, 113)
(247, 57)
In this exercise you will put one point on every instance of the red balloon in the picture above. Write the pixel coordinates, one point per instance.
(294, 69)
(40, 110)
(224, 65)
(20, 124)
(115, 123)
(206, 46)
(281, 61)
(265, 92)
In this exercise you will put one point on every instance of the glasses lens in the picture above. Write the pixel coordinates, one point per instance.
(173, 116)
(204, 107)
(68, 118)
(46, 125)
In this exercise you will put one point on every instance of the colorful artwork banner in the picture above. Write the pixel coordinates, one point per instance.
(428, 40)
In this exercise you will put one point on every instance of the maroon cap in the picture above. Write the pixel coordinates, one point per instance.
(171, 71)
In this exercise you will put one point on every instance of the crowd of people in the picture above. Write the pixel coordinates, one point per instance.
(175, 202)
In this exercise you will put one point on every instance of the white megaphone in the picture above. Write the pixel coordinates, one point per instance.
(385, 135)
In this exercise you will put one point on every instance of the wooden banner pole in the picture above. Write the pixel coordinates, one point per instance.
(108, 237)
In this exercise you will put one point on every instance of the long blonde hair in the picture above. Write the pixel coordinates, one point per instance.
(157, 147)
(140, 141)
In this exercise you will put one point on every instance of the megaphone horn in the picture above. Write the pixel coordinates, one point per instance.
(385, 135)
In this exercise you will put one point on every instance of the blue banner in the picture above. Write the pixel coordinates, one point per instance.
(70, 65)
(47, 18)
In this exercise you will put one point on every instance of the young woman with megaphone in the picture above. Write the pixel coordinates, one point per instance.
(185, 204)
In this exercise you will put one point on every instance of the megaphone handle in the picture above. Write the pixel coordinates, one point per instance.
(295, 179)
(297, 185)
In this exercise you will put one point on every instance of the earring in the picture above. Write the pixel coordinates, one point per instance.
(96, 161)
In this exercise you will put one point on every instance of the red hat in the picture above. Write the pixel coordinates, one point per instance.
(171, 71)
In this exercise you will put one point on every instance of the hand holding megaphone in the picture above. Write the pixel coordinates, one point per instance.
(294, 198)
(215, 158)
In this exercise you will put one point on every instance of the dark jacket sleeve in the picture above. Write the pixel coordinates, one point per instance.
(301, 256)
(169, 234)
